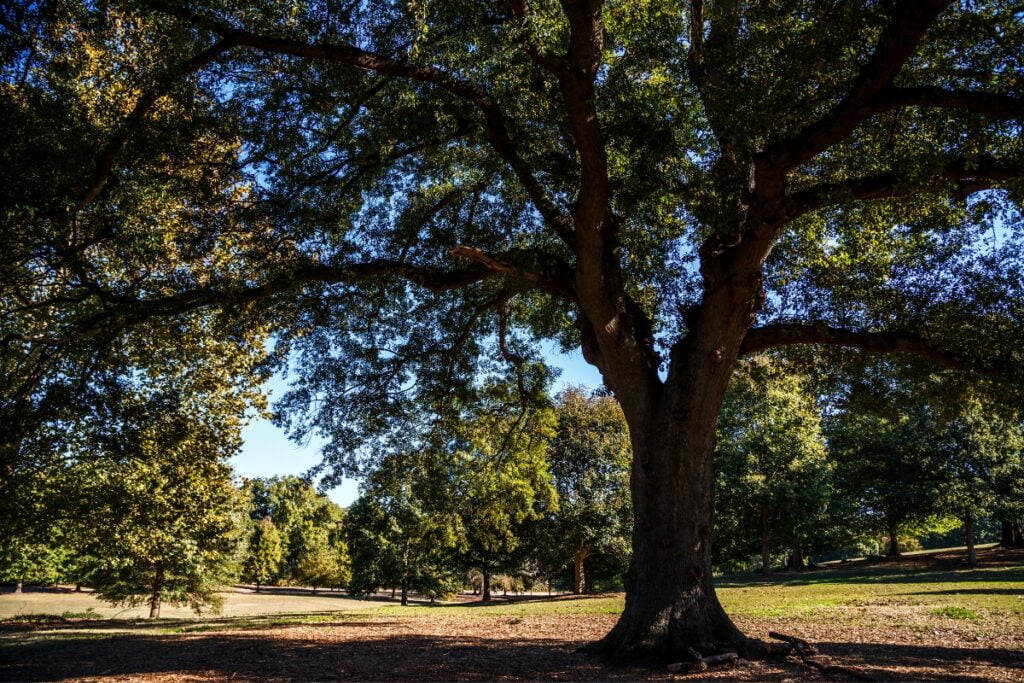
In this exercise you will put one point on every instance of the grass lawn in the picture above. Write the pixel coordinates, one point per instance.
(926, 617)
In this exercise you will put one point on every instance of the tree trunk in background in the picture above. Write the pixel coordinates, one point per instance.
(766, 555)
(257, 586)
(405, 593)
(17, 586)
(894, 543)
(486, 597)
(578, 586)
(796, 559)
(78, 588)
(1011, 536)
(154, 600)
(972, 556)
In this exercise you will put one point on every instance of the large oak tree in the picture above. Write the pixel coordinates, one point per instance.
(411, 193)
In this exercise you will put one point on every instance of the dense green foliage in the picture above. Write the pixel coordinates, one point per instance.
(264, 555)
(775, 482)
(589, 459)
(310, 530)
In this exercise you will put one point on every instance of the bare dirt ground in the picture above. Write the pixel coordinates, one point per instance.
(877, 640)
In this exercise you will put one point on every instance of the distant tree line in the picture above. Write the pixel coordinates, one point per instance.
(516, 497)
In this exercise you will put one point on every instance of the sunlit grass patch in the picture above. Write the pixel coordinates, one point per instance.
(956, 612)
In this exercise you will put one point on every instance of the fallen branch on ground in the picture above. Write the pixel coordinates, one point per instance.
(702, 663)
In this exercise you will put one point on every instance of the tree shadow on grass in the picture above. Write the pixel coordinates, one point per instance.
(893, 661)
(381, 655)
(876, 575)
(971, 591)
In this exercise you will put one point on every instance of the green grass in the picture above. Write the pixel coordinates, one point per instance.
(954, 612)
(852, 595)
(836, 594)
(524, 608)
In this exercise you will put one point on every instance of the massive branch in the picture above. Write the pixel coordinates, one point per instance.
(961, 176)
(773, 336)
(897, 43)
(121, 311)
(499, 135)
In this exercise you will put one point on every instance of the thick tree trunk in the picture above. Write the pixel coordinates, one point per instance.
(894, 543)
(154, 600)
(257, 586)
(17, 586)
(671, 603)
(405, 594)
(486, 591)
(766, 555)
(972, 556)
(78, 588)
(578, 585)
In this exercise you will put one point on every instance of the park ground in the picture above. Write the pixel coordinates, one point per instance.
(927, 617)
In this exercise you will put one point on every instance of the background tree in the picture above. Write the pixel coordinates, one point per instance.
(403, 530)
(774, 480)
(984, 454)
(263, 557)
(165, 520)
(589, 460)
(308, 522)
(30, 561)
(894, 467)
(317, 563)
(501, 481)
(413, 196)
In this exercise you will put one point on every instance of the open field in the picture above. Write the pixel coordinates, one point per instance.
(925, 618)
(237, 603)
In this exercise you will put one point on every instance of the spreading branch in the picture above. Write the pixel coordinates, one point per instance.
(497, 126)
(784, 334)
(963, 176)
(897, 43)
(121, 312)
(108, 155)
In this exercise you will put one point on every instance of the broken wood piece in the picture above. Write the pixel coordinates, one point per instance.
(799, 644)
(702, 663)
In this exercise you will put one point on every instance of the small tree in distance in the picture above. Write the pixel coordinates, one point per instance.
(264, 554)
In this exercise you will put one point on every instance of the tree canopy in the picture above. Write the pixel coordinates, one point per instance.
(408, 196)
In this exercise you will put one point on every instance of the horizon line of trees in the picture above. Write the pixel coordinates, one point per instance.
(536, 496)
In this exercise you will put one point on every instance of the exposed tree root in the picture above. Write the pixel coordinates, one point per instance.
(808, 654)
(702, 663)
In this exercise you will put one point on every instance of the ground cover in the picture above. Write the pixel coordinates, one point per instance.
(926, 618)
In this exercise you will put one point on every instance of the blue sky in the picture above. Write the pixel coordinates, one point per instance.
(267, 451)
